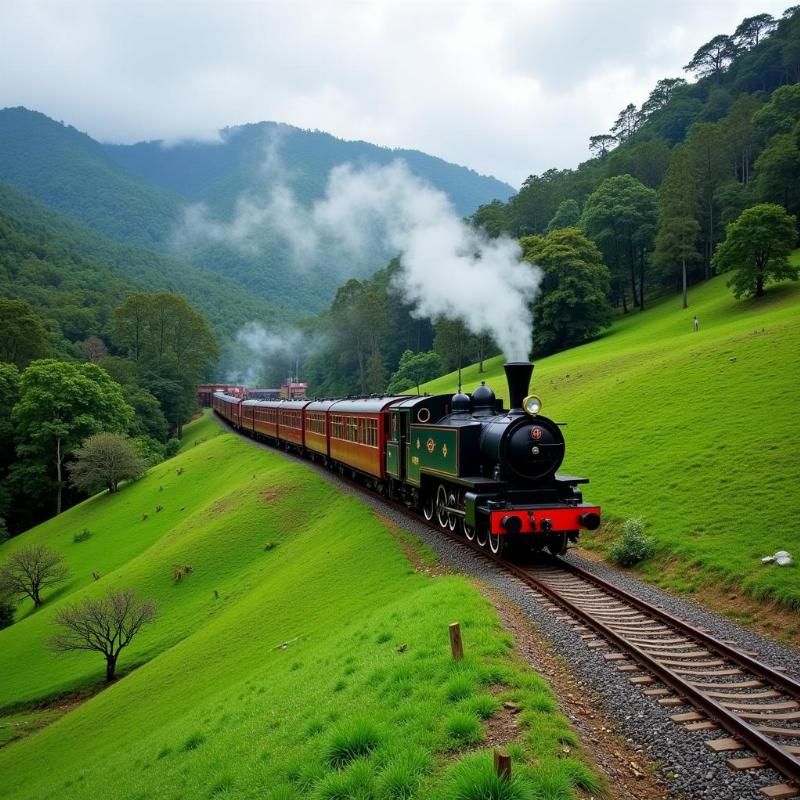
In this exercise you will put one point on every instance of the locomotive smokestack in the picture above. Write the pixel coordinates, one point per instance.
(518, 375)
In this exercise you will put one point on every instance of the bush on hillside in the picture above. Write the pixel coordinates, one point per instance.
(634, 545)
(351, 741)
(171, 447)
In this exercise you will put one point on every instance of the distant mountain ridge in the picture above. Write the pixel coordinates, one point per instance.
(217, 172)
(137, 194)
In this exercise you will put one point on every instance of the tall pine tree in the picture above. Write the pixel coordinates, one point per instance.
(678, 228)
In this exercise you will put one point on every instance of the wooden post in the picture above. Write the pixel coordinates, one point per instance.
(502, 764)
(455, 641)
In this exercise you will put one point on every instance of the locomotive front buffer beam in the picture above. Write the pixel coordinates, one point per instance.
(529, 519)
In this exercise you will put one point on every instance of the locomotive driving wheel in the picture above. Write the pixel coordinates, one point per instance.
(481, 533)
(442, 514)
(497, 543)
(428, 507)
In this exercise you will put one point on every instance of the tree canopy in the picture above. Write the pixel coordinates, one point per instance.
(105, 459)
(61, 404)
(757, 248)
(171, 345)
(22, 334)
(413, 370)
(620, 216)
(572, 306)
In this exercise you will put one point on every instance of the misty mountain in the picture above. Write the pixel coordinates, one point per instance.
(74, 278)
(139, 194)
(248, 156)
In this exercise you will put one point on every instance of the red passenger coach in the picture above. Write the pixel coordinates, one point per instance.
(261, 416)
(228, 407)
(358, 433)
(317, 427)
(290, 421)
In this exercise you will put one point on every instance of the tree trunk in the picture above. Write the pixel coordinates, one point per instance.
(641, 282)
(624, 303)
(710, 237)
(37, 601)
(683, 270)
(760, 285)
(634, 293)
(111, 667)
(58, 475)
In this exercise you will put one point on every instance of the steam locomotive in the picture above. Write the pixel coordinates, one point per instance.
(461, 460)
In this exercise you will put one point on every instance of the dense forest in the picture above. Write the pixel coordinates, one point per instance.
(645, 214)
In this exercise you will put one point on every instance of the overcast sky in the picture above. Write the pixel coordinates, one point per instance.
(507, 88)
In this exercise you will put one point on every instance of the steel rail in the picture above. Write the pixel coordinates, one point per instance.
(769, 750)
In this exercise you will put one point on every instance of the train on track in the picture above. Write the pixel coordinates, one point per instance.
(462, 460)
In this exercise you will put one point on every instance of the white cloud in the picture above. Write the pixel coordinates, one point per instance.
(506, 88)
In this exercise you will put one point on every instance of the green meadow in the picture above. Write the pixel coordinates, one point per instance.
(302, 657)
(696, 433)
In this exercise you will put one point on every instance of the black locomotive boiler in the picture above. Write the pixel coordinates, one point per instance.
(462, 460)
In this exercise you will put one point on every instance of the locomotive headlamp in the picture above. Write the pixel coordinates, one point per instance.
(532, 404)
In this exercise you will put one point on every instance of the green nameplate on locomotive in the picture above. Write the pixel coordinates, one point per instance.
(432, 450)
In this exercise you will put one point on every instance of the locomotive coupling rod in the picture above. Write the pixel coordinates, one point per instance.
(456, 512)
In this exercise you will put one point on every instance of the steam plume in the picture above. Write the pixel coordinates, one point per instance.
(447, 268)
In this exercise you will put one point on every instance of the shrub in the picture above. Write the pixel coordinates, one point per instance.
(484, 705)
(356, 782)
(463, 729)
(402, 776)
(171, 447)
(194, 741)
(4, 534)
(460, 686)
(82, 536)
(474, 778)
(350, 741)
(633, 546)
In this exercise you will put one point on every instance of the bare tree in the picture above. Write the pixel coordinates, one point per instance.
(30, 570)
(107, 625)
(105, 459)
(93, 349)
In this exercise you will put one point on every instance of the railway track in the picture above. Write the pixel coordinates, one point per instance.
(755, 707)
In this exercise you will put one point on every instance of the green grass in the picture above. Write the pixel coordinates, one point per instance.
(694, 432)
(319, 668)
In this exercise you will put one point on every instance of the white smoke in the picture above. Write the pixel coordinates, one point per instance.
(267, 349)
(448, 268)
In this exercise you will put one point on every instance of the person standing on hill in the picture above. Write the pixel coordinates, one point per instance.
(696, 325)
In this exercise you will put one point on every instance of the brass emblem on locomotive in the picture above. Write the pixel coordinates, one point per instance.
(430, 445)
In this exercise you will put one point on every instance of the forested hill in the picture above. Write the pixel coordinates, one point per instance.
(726, 131)
(74, 278)
(217, 173)
(68, 170)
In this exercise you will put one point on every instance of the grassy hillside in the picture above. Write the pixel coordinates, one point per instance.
(303, 656)
(695, 432)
